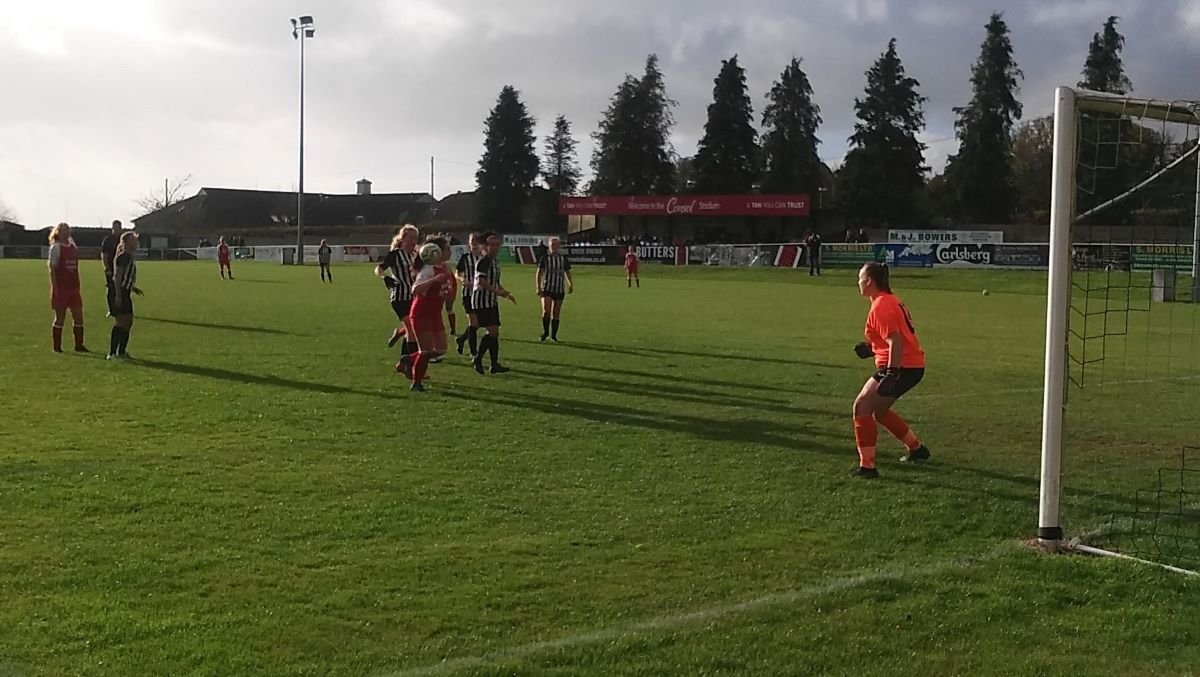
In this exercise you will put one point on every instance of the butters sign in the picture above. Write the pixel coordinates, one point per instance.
(686, 205)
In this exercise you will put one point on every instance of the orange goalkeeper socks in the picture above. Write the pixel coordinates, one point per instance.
(866, 435)
(899, 429)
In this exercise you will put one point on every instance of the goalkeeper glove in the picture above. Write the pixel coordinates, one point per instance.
(389, 282)
(863, 351)
(889, 381)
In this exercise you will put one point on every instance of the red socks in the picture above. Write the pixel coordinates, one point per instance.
(420, 367)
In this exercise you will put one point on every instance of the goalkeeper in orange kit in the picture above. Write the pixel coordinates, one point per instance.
(900, 363)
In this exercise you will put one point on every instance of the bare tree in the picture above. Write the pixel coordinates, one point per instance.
(167, 196)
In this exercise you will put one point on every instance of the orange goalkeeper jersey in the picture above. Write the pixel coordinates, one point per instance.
(889, 316)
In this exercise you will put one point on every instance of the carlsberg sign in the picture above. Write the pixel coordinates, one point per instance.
(964, 255)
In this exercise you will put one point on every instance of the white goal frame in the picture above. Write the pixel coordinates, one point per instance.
(1068, 103)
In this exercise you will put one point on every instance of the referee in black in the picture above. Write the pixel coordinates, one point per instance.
(396, 271)
(108, 252)
(466, 281)
(485, 301)
(812, 245)
(553, 284)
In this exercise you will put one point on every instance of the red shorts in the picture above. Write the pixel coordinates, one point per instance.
(66, 299)
(632, 270)
(428, 323)
(224, 262)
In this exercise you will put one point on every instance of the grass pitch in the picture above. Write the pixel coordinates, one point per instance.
(666, 492)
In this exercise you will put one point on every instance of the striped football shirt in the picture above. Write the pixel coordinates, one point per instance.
(487, 268)
(400, 262)
(554, 269)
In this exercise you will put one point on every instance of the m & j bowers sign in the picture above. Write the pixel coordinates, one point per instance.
(686, 205)
(946, 236)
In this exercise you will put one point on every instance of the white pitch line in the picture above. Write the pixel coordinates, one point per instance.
(699, 616)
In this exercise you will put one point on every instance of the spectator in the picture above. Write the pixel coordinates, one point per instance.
(862, 236)
(850, 236)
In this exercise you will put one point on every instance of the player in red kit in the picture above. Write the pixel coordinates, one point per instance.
(223, 256)
(65, 293)
(432, 283)
(631, 269)
(900, 363)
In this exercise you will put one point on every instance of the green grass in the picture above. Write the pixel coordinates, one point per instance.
(663, 493)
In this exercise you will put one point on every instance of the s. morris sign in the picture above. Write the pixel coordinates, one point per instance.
(686, 205)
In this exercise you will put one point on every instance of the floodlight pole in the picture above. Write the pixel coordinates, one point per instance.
(1196, 233)
(302, 30)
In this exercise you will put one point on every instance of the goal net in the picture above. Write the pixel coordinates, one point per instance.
(1120, 469)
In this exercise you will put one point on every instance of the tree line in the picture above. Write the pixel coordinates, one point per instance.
(1000, 174)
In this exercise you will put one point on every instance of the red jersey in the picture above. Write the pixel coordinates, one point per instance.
(631, 261)
(433, 301)
(64, 264)
(889, 316)
(223, 253)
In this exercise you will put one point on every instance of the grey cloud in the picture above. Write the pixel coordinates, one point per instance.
(210, 88)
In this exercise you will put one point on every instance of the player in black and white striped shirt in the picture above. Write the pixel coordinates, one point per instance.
(554, 282)
(120, 295)
(485, 300)
(466, 280)
(396, 271)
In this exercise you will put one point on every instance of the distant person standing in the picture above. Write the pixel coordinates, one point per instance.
(862, 236)
(851, 238)
(539, 252)
(65, 291)
(812, 245)
(631, 268)
(553, 284)
(486, 302)
(324, 254)
(108, 251)
(223, 258)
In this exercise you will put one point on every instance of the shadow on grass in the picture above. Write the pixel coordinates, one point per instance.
(648, 375)
(792, 436)
(765, 432)
(254, 379)
(654, 352)
(216, 325)
(672, 392)
(940, 475)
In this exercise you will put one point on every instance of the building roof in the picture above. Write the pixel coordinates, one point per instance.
(221, 208)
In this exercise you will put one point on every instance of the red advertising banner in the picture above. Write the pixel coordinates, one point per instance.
(686, 205)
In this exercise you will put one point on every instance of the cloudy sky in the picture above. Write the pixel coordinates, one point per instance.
(100, 101)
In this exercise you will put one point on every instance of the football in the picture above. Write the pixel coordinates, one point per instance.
(430, 253)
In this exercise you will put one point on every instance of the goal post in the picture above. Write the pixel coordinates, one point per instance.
(1123, 209)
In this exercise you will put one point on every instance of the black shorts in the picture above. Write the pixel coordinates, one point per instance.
(126, 301)
(488, 317)
(402, 309)
(908, 379)
(466, 301)
(553, 295)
